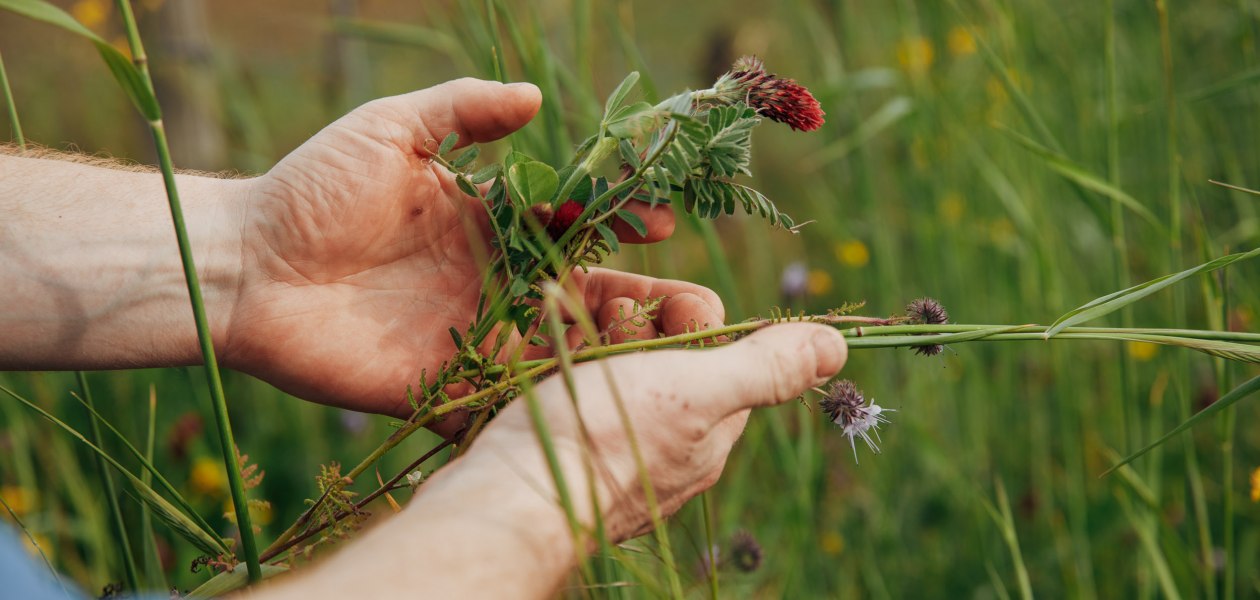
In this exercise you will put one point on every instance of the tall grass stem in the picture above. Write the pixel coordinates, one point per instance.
(223, 425)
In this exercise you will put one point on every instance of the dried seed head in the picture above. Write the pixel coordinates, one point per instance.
(773, 97)
(847, 407)
(745, 552)
(927, 311)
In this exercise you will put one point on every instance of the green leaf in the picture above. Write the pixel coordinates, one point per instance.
(448, 143)
(631, 121)
(1084, 178)
(486, 173)
(455, 337)
(633, 221)
(1116, 300)
(628, 154)
(519, 288)
(623, 89)
(1228, 400)
(124, 71)
(609, 236)
(467, 157)
(467, 187)
(522, 316)
(230, 581)
(533, 182)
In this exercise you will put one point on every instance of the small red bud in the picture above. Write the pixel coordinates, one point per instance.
(564, 218)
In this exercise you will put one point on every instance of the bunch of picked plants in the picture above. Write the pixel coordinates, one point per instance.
(692, 151)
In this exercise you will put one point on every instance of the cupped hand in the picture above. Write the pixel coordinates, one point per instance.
(686, 409)
(360, 253)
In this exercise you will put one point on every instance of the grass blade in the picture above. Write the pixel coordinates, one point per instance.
(126, 73)
(11, 107)
(31, 538)
(1111, 302)
(230, 581)
(1238, 393)
(155, 577)
(111, 491)
(1082, 177)
(177, 520)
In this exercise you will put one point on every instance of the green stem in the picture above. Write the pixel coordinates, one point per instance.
(12, 107)
(710, 549)
(236, 484)
(111, 491)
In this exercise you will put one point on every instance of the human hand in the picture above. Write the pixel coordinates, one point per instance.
(686, 410)
(359, 253)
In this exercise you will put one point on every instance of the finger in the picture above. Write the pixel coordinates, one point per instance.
(598, 286)
(687, 312)
(659, 221)
(479, 111)
(769, 367)
(617, 317)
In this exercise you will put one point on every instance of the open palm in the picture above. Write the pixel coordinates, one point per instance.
(360, 253)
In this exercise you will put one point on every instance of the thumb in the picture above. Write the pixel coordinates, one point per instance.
(771, 366)
(476, 110)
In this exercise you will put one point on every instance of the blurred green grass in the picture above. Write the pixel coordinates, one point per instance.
(915, 191)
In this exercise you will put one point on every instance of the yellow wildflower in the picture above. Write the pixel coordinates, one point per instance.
(960, 41)
(832, 543)
(818, 283)
(90, 13)
(1142, 351)
(951, 208)
(207, 477)
(915, 54)
(20, 500)
(853, 254)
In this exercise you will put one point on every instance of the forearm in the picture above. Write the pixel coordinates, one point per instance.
(90, 269)
(474, 531)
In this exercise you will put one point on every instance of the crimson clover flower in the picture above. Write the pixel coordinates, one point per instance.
(773, 97)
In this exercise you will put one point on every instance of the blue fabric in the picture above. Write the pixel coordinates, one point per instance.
(24, 577)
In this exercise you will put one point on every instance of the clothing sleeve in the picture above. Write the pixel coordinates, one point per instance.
(21, 576)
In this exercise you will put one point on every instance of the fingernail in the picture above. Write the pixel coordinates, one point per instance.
(520, 85)
(831, 351)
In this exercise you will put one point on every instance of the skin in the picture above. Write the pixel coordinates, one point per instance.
(335, 277)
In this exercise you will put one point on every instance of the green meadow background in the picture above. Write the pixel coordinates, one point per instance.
(1012, 159)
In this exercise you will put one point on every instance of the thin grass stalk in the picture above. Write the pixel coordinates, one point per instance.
(149, 469)
(111, 491)
(236, 484)
(1228, 432)
(31, 538)
(1194, 475)
(649, 492)
(11, 106)
(570, 386)
(154, 575)
(710, 544)
(1007, 524)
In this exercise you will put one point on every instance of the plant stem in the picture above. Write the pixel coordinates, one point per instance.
(236, 484)
(12, 108)
(111, 491)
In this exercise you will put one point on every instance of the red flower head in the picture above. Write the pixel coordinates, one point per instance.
(777, 99)
(564, 218)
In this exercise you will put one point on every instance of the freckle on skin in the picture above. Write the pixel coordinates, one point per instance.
(417, 211)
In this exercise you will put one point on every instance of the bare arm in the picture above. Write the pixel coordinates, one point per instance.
(90, 269)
